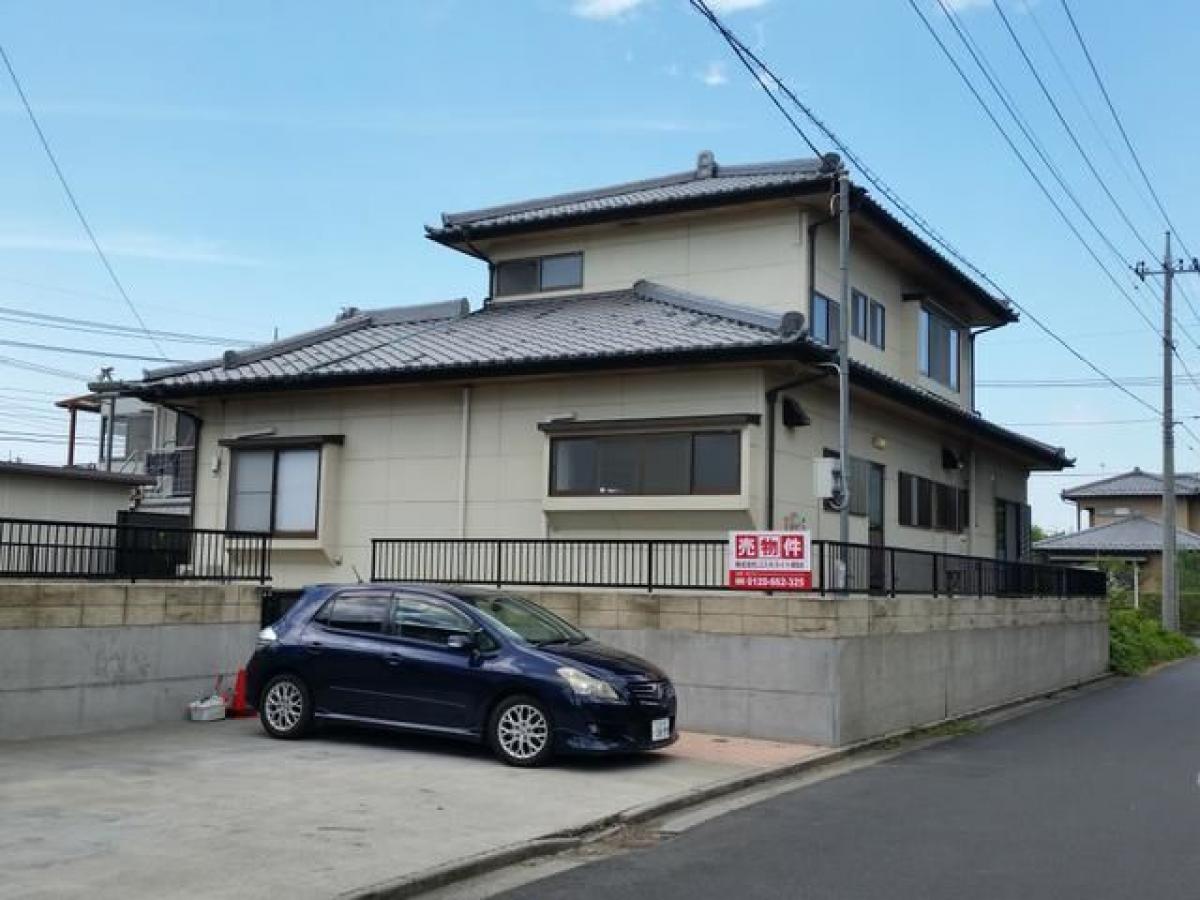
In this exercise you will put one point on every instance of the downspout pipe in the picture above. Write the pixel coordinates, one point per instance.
(464, 460)
(972, 335)
(772, 398)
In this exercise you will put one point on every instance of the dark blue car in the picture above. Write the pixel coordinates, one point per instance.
(480, 665)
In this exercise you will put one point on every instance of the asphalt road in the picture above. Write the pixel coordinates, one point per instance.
(1096, 797)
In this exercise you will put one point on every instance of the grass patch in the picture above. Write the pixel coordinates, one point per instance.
(1137, 642)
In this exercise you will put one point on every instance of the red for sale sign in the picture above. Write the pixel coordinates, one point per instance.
(770, 560)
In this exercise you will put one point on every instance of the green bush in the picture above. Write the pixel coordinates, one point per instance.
(1137, 642)
(1151, 605)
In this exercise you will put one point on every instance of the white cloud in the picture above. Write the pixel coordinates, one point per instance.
(604, 9)
(135, 245)
(732, 6)
(601, 10)
(714, 74)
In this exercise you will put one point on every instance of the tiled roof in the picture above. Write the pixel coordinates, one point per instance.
(1129, 534)
(714, 182)
(1133, 484)
(642, 325)
(641, 321)
(707, 185)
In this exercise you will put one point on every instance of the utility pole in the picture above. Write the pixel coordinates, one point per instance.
(1170, 592)
(843, 177)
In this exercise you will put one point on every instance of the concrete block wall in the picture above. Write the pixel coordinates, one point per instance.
(84, 656)
(837, 670)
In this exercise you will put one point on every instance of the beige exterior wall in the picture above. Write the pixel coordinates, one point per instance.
(24, 496)
(756, 255)
(899, 442)
(398, 471)
(1103, 511)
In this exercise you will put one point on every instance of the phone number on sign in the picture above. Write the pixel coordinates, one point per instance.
(801, 581)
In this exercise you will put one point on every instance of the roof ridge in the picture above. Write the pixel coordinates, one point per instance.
(789, 323)
(782, 166)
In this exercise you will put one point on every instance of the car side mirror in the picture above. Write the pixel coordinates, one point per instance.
(461, 642)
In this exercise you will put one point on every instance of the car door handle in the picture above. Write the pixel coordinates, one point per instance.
(394, 659)
(314, 646)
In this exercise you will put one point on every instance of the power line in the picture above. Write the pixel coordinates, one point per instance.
(42, 370)
(1120, 126)
(62, 179)
(87, 351)
(1132, 381)
(1083, 104)
(1033, 69)
(1021, 156)
(91, 326)
(765, 77)
(1085, 423)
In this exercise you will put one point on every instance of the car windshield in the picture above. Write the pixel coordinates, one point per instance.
(523, 619)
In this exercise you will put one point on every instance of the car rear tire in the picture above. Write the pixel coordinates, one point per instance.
(286, 708)
(520, 732)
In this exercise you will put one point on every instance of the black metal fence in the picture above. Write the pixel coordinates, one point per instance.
(701, 565)
(35, 548)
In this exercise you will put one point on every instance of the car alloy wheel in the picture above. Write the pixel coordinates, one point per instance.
(521, 733)
(285, 707)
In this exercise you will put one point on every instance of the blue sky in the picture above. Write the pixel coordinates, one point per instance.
(258, 166)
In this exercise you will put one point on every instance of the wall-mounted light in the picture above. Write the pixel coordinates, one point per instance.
(879, 442)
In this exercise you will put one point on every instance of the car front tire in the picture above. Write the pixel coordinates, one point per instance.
(286, 708)
(520, 732)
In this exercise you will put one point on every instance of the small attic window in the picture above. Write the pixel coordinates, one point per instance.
(544, 273)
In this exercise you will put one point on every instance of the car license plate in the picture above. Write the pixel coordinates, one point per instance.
(660, 729)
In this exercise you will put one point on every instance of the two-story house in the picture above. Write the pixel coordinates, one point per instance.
(1124, 519)
(652, 360)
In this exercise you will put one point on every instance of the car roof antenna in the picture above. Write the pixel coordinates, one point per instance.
(354, 569)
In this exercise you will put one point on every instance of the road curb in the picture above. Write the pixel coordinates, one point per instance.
(569, 839)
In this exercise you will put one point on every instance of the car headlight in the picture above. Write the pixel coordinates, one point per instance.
(266, 637)
(587, 686)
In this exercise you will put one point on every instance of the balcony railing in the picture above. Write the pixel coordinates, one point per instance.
(700, 565)
(34, 548)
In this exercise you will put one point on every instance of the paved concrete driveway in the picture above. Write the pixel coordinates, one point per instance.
(220, 810)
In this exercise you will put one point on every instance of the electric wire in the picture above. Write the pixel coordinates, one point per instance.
(765, 78)
(62, 179)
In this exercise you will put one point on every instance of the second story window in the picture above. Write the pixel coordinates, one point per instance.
(867, 319)
(938, 344)
(543, 273)
(826, 317)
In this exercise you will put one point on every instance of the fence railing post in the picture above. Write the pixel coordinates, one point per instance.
(892, 571)
(933, 559)
(650, 566)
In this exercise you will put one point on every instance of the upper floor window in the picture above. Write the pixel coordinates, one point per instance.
(542, 273)
(826, 320)
(938, 345)
(867, 319)
(275, 490)
(663, 463)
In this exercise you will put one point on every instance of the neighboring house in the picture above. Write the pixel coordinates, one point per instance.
(1124, 515)
(65, 493)
(653, 360)
(138, 438)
